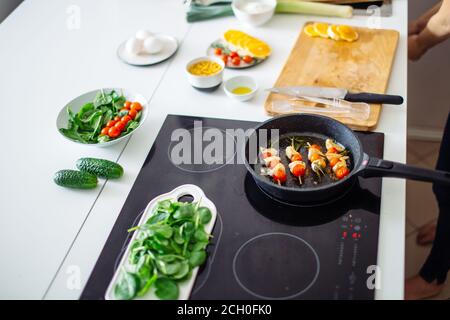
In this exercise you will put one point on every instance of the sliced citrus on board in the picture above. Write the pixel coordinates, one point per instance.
(309, 30)
(333, 32)
(321, 29)
(347, 33)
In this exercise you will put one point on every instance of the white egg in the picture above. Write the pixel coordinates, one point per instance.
(153, 45)
(133, 46)
(143, 34)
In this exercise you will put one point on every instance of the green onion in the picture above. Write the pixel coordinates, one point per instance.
(313, 8)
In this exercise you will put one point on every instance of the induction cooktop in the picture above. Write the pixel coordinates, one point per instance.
(261, 248)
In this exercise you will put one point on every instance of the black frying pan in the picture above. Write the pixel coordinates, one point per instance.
(362, 164)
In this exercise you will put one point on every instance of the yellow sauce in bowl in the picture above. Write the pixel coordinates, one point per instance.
(204, 68)
(242, 90)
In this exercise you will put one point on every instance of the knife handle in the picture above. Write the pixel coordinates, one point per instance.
(374, 98)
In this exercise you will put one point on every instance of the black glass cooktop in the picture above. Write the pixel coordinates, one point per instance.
(262, 248)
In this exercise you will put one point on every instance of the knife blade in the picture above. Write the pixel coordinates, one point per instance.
(338, 93)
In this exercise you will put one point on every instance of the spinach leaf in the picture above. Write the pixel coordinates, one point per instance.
(166, 289)
(204, 214)
(102, 99)
(127, 286)
(197, 258)
(184, 212)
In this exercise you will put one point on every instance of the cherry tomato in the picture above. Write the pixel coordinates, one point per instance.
(247, 59)
(298, 170)
(218, 51)
(234, 54)
(296, 157)
(104, 131)
(279, 176)
(116, 118)
(132, 113)
(314, 157)
(127, 105)
(125, 119)
(236, 61)
(333, 161)
(120, 126)
(332, 150)
(342, 172)
(113, 132)
(111, 123)
(136, 106)
(225, 59)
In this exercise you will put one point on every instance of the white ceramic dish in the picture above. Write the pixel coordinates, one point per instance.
(170, 46)
(186, 286)
(76, 104)
(210, 82)
(240, 81)
(256, 17)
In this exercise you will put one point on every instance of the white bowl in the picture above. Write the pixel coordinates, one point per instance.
(210, 82)
(240, 81)
(253, 18)
(76, 104)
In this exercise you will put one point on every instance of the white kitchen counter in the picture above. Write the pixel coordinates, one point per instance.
(47, 233)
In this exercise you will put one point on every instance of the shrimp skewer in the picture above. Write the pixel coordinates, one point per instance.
(317, 159)
(296, 165)
(336, 158)
(274, 167)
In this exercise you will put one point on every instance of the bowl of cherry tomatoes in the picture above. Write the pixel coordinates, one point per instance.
(102, 117)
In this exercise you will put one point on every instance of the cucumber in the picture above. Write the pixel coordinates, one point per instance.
(75, 179)
(99, 167)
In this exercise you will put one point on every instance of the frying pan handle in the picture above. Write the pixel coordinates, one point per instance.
(384, 168)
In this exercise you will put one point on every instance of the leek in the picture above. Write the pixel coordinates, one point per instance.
(314, 8)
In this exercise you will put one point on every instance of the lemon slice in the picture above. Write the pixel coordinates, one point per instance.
(321, 29)
(333, 33)
(309, 30)
(347, 33)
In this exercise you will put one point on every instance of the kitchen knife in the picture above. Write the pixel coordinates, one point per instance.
(339, 93)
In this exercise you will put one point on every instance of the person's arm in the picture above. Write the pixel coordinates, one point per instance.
(436, 31)
(418, 25)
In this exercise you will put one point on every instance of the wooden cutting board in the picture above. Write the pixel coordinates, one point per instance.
(361, 66)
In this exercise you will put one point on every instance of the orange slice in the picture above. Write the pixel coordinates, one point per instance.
(321, 29)
(259, 49)
(347, 33)
(309, 30)
(252, 45)
(333, 32)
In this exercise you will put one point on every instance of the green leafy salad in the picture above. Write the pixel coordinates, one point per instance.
(109, 116)
(168, 246)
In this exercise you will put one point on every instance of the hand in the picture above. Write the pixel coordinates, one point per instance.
(415, 49)
(414, 28)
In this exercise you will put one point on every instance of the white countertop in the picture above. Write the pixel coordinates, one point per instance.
(47, 233)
